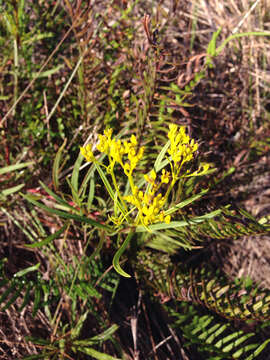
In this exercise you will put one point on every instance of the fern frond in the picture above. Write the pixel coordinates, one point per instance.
(205, 286)
(216, 339)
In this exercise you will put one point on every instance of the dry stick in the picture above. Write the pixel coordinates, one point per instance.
(162, 342)
(134, 328)
(67, 85)
(47, 116)
(235, 30)
(34, 79)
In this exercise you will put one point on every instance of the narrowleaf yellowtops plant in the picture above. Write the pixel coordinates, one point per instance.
(148, 205)
(147, 202)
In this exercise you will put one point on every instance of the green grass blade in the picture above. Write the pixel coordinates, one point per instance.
(14, 296)
(56, 165)
(15, 167)
(26, 298)
(236, 36)
(96, 354)
(27, 270)
(48, 239)
(37, 301)
(106, 335)
(12, 190)
(75, 173)
(57, 198)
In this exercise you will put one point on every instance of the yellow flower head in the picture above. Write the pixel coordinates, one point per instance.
(105, 141)
(182, 148)
(165, 177)
(151, 179)
(87, 153)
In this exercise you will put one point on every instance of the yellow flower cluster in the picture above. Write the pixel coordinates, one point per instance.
(116, 150)
(87, 153)
(149, 204)
(181, 149)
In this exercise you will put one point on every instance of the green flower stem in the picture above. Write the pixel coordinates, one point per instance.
(131, 183)
(174, 179)
(109, 188)
(111, 172)
(132, 186)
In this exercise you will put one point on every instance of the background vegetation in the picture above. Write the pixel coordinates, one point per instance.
(69, 69)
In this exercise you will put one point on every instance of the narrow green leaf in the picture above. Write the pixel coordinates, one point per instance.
(168, 244)
(90, 290)
(203, 323)
(108, 187)
(105, 335)
(239, 35)
(244, 350)
(91, 193)
(47, 73)
(238, 341)
(12, 190)
(37, 37)
(79, 291)
(75, 195)
(118, 254)
(66, 215)
(161, 155)
(96, 354)
(56, 165)
(75, 331)
(44, 355)
(177, 224)
(15, 167)
(14, 296)
(27, 270)
(38, 341)
(37, 300)
(211, 49)
(186, 202)
(26, 298)
(49, 239)
(6, 293)
(219, 331)
(105, 180)
(58, 199)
